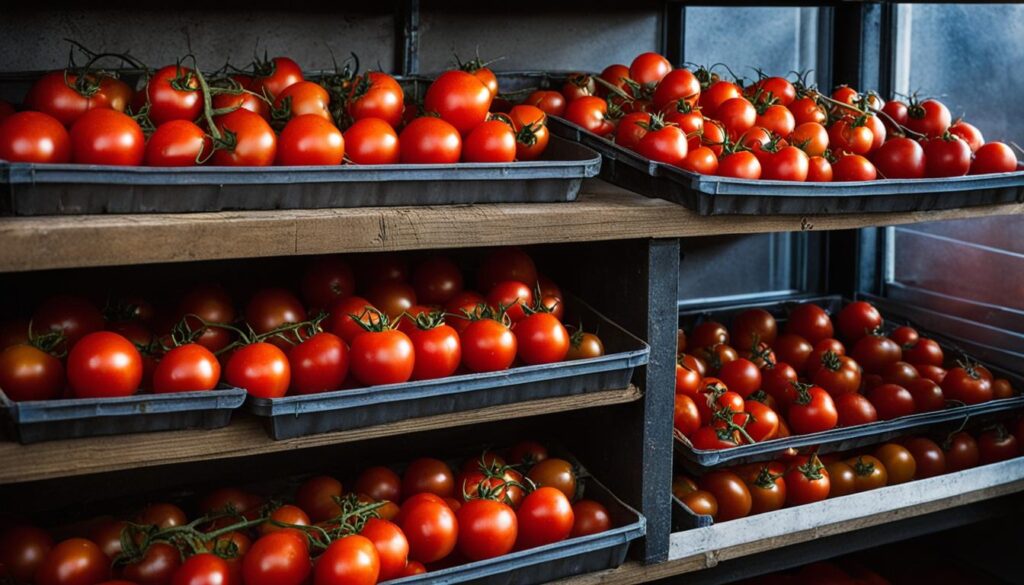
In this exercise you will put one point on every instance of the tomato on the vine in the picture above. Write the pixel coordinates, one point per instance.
(590, 113)
(947, 156)
(261, 369)
(545, 516)
(930, 117)
(376, 95)
(731, 494)
(349, 560)
(187, 368)
(278, 558)
(967, 385)
(812, 411)
(248, 140)
(107, 137)
(807, 483)
(75, 561)
(173, 93)
(34, 137)
(203, 569)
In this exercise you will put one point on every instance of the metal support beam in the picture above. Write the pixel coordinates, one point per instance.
(407, 37)
(673, 42)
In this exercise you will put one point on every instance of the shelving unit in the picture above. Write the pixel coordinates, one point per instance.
(621, 247)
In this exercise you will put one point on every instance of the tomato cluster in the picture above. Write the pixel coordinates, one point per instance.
(387, 526)
(753, 383)
(414, 321)
(268, 115)
(771, 128)
(754, 488)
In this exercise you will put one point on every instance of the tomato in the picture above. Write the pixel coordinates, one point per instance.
(382, 357)
(316, 497)
(104, 365)
(631, 128)
(868, 473)
(687, 380)
(994, 157)
(666, 145)
(278, 558)
(431, 528)
(276, 75)
(712, 402)
(741, 376)
(788, 164)
(554, 473)
(487, 529)
(874, 353)
(157, 566)
(762, 421)
(493, 141)
(203, 569)
(845, 94)
(350, 560)
(739, 165)
(23, 549)
(589, 517)
(527, 453)
(178, 143)
(27, 373)
(584, 346)
(737, 115)
(896, 110)
(347, 313)
(107, 137)
(701, 503)
(510, 296)
(810, 322)
(929, 460)
(504, 264)
(777, 119)
(715, 95)
(966, 385)
(767, 491)
(210, 303)
(961, 452)
(898, 462)
(708, 334)
(682, 485)
(700, 160)
(778, 380)
(430, 141)
(413, 568)
(75, 561)
(379, 96)
(891, 401)
(531, 131)
(250, 141)
(677, 84)
(541, 339)
(272, 308)
(713, 137)
(853, 167)
(310, 140)
(261, 369)
(545, 516)
(968, 133)
(731, 494)
(847, 136)
(173, 94)
(57, 94)
(811, 137)
(708, 438)
(391, 545)
(878, 132)
(807, 483)
(924, 351)
(318, 364)
(904, 336)
(819, 170)
(34, 137)
(947, 156)
(426, 475)
(842, 479)
(187, 368)
(161, 515)
(929, 117)
(551, 102)
(996, 444)
(900, 158)
(807, 110)
(927, 395)
(487, 346)
(854, 409)
(793, 349)
(591, 113)
(812, 411)
(649, 68)
(243, 93)
(578, 85)
(1001, 388)
(837, 374)
(460, 99)
(858, 319)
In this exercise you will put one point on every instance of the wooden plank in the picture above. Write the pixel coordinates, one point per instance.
(603, 212)
(245, 436)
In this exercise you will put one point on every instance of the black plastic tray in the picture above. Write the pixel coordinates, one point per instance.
(295, 416)
(711, 195)
(840, 438)
(49, 420)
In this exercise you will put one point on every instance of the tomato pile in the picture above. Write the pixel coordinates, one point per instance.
(752, 384)
(413, 320)
(268, 114)
(754, 488)
(770, 128)
(386, 526)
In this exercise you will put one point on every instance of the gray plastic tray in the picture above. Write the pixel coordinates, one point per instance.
(844, 438)
(49, 420)
(295, 416)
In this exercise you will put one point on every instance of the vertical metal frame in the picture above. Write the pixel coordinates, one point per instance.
(673, 38)
(407, 37)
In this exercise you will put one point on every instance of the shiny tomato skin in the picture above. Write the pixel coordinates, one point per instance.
(788, 164)
(930, 117)
(968, 133)
(929, 458)
(431, 528)
(891, 401)
(371, 142)
(667, 145)
(178, 143)
(967, 386)
(511, 295)
(382, 357)
(460, 99)
(104, 365)
(187, 368)
(276, 75)
(858, 319)
(813, 412)
(649, 68)
(541, 339)
(261, 369)
(54, 94)
(551, 102)
(741, 376)
(590, 113)
(426, 475)
(391, 544)
(961, 451)
(854, 409)
(27, 373)
(853, 167)
(994, 157)
(73, 316)
(737, 115)
(762, 421)
(430, 141)
(589, 517)
(326, 279)
(810, 322)
(898, 462)
(341, 321)
(924, 351)
(167, 102)
(996, 444)
(947, 157)
(900, 158)
(715, 95)
(819, 170)
(438, 352)
(318, 364)
(255, 144)
(687, 417)
(157, 566)
(349, 560)
(316, 497)
(806, 110)
(303, 98)
(376, 95)
(491, 141)
(203, 569)
(34, 137)
(278, 558)
(739, 165)
(23, 549)
(75, 561)
(731, 494)
(927, 394)
(310, 140)
(107, 137)
(545, 516)
(806, 484)
(677, 84)
(487, 529)
(875, 353)
(487, 346)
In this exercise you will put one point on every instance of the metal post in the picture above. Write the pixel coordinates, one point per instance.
(673, 41)
(407, 37)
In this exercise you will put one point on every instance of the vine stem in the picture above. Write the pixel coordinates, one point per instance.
(877, 112)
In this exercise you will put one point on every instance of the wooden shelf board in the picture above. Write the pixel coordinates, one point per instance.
(603, 212)
(245, 436)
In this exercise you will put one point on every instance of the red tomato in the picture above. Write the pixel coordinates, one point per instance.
(211, 303)
(23, 550)
(649, 68)
(589, 517)
(741, 376)
(158, 565)
(276, 75)
(713, 137)
(371, 142)
(854, 409)
(104, 365)
(493, 141)
(75, 561)
(788, 164)
(819, 170)
(344, 314)
(318, 364)
(968, 133)
(487, 529)
(391, 544)
(58, 94)
(807, 109)
(846, 136)
(316, 497)
(737, 115)
(793, 349)
(426, 475)
(34, 137)
(460, 99)
(732, 495)
(878, 131)
(73, 316)
(961, 452)
(994, 157)
(708, 438)
(837, 374)
(173, 94)
(896, 110)
(739, 165)
(530, 125)
(687, 416)
(310, 140)
(578, 85)
(891, 401)
(253, 142)
(510, 296)
(676, 85)
(806, 483)
(924, 351)
(379, 96)
(904, 336)
(107, 137)
(812, 411)
(966, 385)
(700, 160)
(203, 569)
(350, 560)
(927, 395)
(545, 516)
(928, 457)
(590, 113)
(541, 339)
(431, 529)
(504, 264)
(243, 93)
(261, 369)
(858, 319)
(996, 444)
(947, 157)
(279, 558)
(187, 368)
(27, 373)
(776, 119)
(811, 137)
(810, 322)
(325, 279)
(666, 145)
(178, 143)
(853, 167)
(715, 95)
(874, 353)
(487, 346)
(272, 308)
(900, 158)
(930, 118)
(382, 357)
(437, 348)
(762, 421)
(778, 382)
(430, 140)
(380, 483)
(551, 102)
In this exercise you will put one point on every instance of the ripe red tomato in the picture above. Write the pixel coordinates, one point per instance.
(380, 483)
(487, 346)
(431, 529)
(487, 529)
(878, 132)
(104, 365)
(649, 68)
(966, 385)
(545, 516)
(173, 94)
(947, 156)
(928, 457)
(251, 141)
(793, 349)
(806, 483)
(868, 473)
(590, 517)
(891, 401)
(666, 145)
(777, 119)
(578, 85)
(700, 160)
(34, 137)
(961, 451)
(708, 438)
(286, 514)
(854, 409)
(927, 394)
(853, 167)
(741, 376)
(278, 558)
(590, 113)
(430, 140)
(858, 319)
(316, 497)
(737, 115)
(551, 102)
(460, 99)
(382, 357)
(874, 353)
(715, 95)
(731, 494)
(930, 118)
(57, 94)
(900, 373)
(531, 131)
(925, 351)
(968, 133)
(371, 141)
(341, 321)
(811, 137)
(23, 549)
(812, 411)
(541, 339)
(847, 136)
(492, 141)
(676, 85)
(788, 164)
(73, 316)
(896, 110)
(203, 569)
(437, 348)
(178, 143)
(904, 336)
(318, 364)
(762, 421)
(837, 374)
(504, 264)
(810, 322)
(687, 417)
(276, 75)
(898, 462)
(806, 110)
(75, 561)
(819, 170)
(187, 368)
(376, 95)
(391, 545)
(310, 140)
(778, 382)
(107, 137)
(261, 369)
(996, 444)
(740, 165)
(426, 475)
(555, 473)
(159, 563)
(900, 158)
(994, 157)
(350, 560)
(28, 373)
(271, 308)
(243, 93)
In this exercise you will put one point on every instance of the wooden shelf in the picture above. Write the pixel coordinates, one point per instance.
(245, 436)
(603, 212)
(704, 548)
